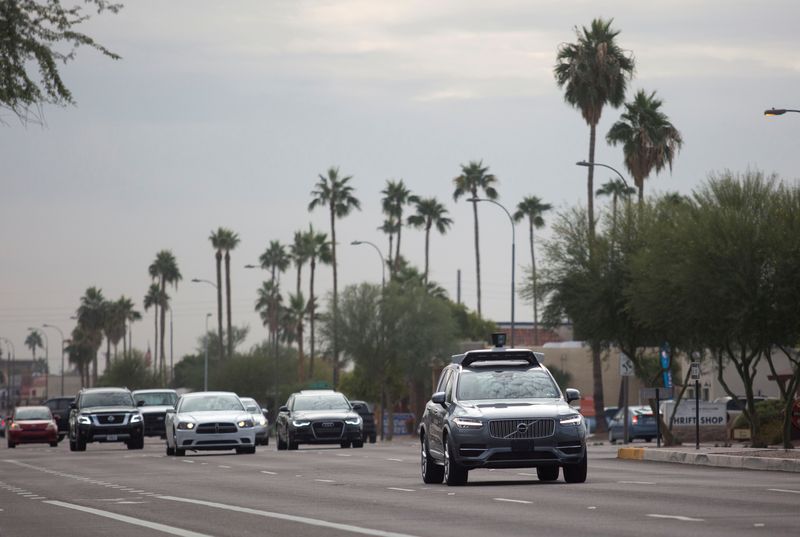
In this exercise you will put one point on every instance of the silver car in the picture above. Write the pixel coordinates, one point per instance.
(153, 404)
(260, 421)
(209, 421)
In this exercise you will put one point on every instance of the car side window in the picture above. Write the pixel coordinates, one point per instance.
(448, 389)
(443, 380)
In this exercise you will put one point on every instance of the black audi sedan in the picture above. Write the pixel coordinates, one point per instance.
(501, 408)
(318, 417)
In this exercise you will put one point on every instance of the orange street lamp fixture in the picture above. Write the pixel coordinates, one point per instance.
(778, 111)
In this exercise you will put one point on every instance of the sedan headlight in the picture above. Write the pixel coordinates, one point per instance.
(571, 419)
(468, 423)
(186, 425)
(353, 421)
(244, 424)
(136, 418)
(301, 423)
(84, 420)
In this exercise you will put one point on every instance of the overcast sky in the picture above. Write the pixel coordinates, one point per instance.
(224, 114)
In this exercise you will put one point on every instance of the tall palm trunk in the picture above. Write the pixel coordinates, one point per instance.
(154, 355)
(535, 291)
(391, 253)
(590, 182)
(228, 302)
(219, 304)
(162, 347)
(311, 308)
(301, 359)
(427, 244)
(124, 340)
(477, 251)
(94, 369)
(108, 354)
(397, 246)
(335, 303)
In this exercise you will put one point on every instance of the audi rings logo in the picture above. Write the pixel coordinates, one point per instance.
(522, 428)
(328, 424)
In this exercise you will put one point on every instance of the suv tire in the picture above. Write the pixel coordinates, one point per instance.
(455, 475)
(432, 473)
(136, 443)
(80, 442)
(547, 473)
(280, 443)
(576, 473)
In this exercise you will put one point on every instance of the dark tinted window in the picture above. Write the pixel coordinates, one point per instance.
(157, 398)
(321, 402)
(93, 399)
(506, 384)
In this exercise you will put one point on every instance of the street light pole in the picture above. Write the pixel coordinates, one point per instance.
(383, 291)
(205, 362)
(46, 360)
(513, 257)
(62, 353)
(587, 164)
(214, 285)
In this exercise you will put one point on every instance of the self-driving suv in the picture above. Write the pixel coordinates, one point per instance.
(105, 415)
(500, 408)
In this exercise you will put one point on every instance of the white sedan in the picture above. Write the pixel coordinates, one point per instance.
(209, 421)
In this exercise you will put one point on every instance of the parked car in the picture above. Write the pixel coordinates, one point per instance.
(500, 408)
(260, 421)
(318, 417)
(209, 421)
(60, 407)
(368, 418)
(32, 424)
(105, 415)
(641, 424)
(153, 404)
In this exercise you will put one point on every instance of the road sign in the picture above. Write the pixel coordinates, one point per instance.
(695, 371)
(664, 355)
(625, 365)
(711, 414)
(650, 393)
(667, 379)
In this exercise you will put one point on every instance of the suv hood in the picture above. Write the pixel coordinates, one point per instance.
(106, 409)
(155, 409)
(323, 414)
(503, 409)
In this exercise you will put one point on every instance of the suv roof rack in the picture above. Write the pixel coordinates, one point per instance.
(498, 354)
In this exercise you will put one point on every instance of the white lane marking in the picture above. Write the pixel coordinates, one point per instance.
(401, 490)
(678, 517)
(268, 472)
(510, 500)
(36, 498)
(325, 480)
(636, 482)
(129, 520)
(395, 460)
(343, 455)
(223, 466)
(785, 490)
(759, 525)
(126, 502)
(291, 518)
(591, 507)
(190, 462)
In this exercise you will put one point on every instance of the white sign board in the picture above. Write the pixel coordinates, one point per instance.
(625, 365)
(695, 371)
(711, 414)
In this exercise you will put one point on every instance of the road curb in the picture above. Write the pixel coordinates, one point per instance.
(719, 460)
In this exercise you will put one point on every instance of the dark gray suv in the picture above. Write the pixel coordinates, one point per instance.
(500, 408)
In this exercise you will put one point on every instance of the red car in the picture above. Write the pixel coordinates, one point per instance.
(31, 424)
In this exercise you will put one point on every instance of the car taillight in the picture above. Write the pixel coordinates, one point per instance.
(635, 419)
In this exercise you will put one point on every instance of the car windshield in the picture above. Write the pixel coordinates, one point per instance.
(32, 413)
(321, 402)
(157, 398)
(505, 384)
(106, 399)
(211, 403)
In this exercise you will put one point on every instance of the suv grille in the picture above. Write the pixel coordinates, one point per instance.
(216, 428)
(111, 419)
(328, 429)
(521, 429)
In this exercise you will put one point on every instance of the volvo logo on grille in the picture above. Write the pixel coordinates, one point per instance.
(328, 424)
(110, 419)
(522, 427)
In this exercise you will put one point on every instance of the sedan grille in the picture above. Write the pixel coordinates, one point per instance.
(216, 428)
(524, 428)
(328, 429)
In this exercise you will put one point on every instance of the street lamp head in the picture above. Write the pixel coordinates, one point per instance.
(475, 200)
(195, 280)
(356, 243)
(774, 112)
(582, 163)
(249, 266)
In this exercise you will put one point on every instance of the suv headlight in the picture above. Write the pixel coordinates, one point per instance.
(136, 418)
(262, 421)
(186, 425)
(84, 420)
(353, 421)
(301, 423)
(571, 419)
(468, 423)
(244, 424)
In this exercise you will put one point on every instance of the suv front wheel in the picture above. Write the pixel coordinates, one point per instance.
(454, 473)
(431, 472)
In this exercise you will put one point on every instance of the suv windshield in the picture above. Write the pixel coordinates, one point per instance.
(505, 384)
(211, 403)
(157, 398)
(106, 399)
(320, 402)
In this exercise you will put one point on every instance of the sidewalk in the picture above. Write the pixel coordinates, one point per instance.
(738, 457)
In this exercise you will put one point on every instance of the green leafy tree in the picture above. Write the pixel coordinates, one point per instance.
(334, 192)
(38, 36)
(164, 270)
(617, 189)
(593, 72)
(430, 214)
(475, 180)
(131, 372)
(649, 140)
(533, 209)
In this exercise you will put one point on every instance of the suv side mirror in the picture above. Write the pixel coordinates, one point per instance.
(438, 398)
(358, 406)
(283, 408)
(170, 411)
(573, 395)
(265, 412)
(73, 405)
(140, 402)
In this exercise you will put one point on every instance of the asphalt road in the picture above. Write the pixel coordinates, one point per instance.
(110, 491)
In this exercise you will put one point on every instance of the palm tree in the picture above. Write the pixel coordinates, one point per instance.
(333, 192)
(268, 305)
(81, 350)
(130, 315)
(319, 248)
(395, 197)
(294, 317)
(33, 341)
(390, 228)
(533, 208)
(114, 327)
(298, 252)
(91, 316)
(230, 241)
(617, 189)
(154, 299)
(430, 213)
(649, 140)
(593, 72)
(275, 259)
(165, 270)
(475, 178)
(218, 239)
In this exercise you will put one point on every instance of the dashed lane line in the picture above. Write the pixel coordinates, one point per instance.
(636, 482)
(401, 490)
(509, 500)
(677, 517)
(785, 490)
(268, 472)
